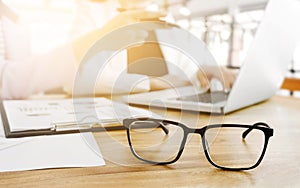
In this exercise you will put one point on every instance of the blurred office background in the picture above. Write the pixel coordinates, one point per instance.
(226, 26)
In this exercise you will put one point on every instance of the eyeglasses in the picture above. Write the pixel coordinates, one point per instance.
(226, 146)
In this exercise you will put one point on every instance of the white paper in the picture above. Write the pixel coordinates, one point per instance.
(43, 114)
(58, 151)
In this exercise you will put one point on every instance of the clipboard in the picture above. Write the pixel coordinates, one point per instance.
(60, 128)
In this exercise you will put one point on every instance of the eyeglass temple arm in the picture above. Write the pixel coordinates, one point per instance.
(164, 128)
(260, 124)
(160, 125)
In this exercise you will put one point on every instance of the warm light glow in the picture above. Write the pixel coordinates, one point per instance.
(55, 22)
(185, 11)
(153, 7)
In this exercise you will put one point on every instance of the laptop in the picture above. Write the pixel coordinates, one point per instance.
(260, 77)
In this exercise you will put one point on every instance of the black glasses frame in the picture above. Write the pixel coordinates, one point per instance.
(268, 132)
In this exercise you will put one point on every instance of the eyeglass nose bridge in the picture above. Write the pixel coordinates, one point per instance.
(201, 133)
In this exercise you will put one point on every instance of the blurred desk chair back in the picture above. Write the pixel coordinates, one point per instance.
(291, 84)
(148, 58)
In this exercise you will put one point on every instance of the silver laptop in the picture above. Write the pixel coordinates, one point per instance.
(260, 77)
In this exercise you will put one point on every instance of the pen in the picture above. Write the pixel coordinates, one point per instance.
(73, 125)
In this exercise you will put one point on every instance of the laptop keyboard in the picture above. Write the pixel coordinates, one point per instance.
(209, 97)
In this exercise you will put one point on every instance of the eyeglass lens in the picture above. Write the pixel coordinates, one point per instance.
(151, 143)
(226, 148)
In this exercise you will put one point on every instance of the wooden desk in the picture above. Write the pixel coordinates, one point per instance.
(280, 167)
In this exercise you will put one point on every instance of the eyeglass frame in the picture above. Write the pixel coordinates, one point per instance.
(268, 132)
